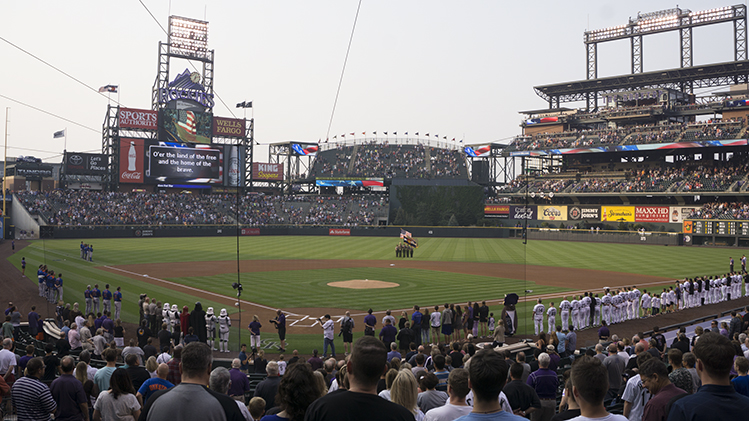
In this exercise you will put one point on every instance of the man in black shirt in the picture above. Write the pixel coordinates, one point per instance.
(365, 367)
(522, 398)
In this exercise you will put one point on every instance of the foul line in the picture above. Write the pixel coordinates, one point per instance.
(202, 291)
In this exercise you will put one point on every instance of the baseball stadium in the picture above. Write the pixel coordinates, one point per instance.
(636, 182)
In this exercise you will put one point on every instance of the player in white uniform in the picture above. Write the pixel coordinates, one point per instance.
(597, 313)
(224, 322)
(584, 311)
(655, 304)
(606, 307)
(616, 302)
(637, 294)
(575, 313)
(210, 327)
(538, 317)
(564, 308)
(685, 293)
(551, 314)
(664, 301)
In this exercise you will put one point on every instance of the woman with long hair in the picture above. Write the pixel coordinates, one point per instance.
(119, 402)
(89, 387)
(297, 390)
(260, 362)
(404, 392)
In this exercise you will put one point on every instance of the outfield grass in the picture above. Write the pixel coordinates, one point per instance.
(308, 288)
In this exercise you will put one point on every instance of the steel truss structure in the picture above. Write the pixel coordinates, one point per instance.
(296, 169)
(686, 78)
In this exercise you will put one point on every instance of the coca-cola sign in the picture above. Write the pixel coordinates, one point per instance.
(131, 161)
(138, 119)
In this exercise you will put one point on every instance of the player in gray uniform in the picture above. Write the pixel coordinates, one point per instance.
(538, 317)
(88, 299)
(224, 322)
(210, 327)
(551, 314)
(564, 308)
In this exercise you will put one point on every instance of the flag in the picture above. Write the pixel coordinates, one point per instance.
(454, 140)
(407, 133)
(417, 133)
(386, 133)
(445, 137)
(405, 233)
(425, 134)
(352, 133)
(343, 135)
(335, 136)
(108, 88)
(395, 133)
(245, 104)
(59, 134)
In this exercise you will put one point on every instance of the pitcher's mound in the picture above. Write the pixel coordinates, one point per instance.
(363, 284)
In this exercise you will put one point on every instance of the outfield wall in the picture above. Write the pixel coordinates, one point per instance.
(627, 237)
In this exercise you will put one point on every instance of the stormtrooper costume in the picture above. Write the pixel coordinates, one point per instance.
(173, 318)
(210, 327)
(165, 317)
(224, 322)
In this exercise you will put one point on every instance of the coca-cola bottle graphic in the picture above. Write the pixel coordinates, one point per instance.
(131, 157)
(234, 167)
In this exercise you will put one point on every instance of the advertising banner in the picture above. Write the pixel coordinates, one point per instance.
(185, 126)
(497, 211)
(32, 171)
(131, 161)
(651, 213)
(680, 213)
(131, 118)
(190, 163)
(618, 213)
(523, 212)
(233, 166)
(580, 212)
(267, 172)
(370, 182)
(250, 231)
(688, 227)
(85, 163)
(552, 213)
(339, 231)
(228, 127)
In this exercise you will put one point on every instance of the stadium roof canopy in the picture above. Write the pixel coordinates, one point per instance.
(546, 110)
(684, 79)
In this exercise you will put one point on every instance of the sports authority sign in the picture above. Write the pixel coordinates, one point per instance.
(228, 127)
(267, 172)
(138, 119)
(131, 160)
(339, 231)
(651, 213)
(497, 211)
(576, 213)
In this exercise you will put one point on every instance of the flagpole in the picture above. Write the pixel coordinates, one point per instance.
(65, 147)
(5, 164)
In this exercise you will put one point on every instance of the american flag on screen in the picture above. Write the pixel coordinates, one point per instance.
(189, 125)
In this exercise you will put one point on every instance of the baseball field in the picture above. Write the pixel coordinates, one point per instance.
(309, 276)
